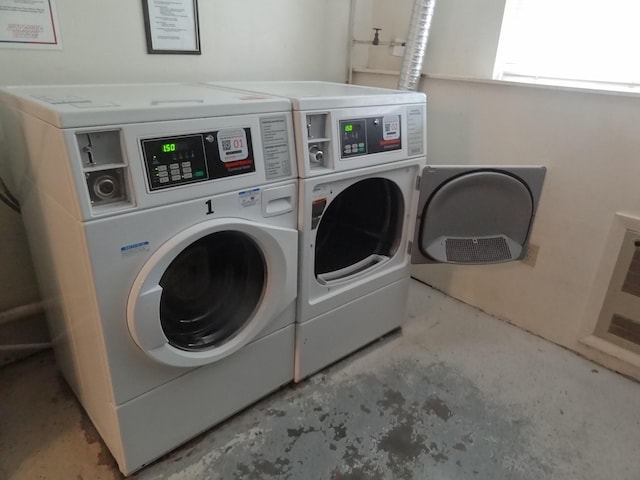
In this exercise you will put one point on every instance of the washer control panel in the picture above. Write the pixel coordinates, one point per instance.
(198, 157)
(364, 136)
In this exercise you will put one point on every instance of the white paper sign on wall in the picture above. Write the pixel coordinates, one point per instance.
(29, 24)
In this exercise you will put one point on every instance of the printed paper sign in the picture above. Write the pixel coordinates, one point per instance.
(29, 23)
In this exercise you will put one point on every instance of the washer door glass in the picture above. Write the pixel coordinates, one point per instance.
(361, 227)
(211, 289)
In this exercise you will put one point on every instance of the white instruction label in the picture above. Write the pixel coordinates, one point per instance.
(232, 145)
(74, 101)
(416, 130)
(95, 105)
(249, 197)
(58, 99)
(322, 191)
(275, 147)
(391, 129)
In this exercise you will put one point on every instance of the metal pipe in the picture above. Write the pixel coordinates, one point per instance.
(21, 312)
(24, 347)
(416, 47)
(18, 313)
(352, 15)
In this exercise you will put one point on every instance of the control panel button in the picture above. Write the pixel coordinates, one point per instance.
(197, 157)
(168, 159)
(363, 136)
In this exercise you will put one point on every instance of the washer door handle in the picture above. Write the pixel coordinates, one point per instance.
(147, 330)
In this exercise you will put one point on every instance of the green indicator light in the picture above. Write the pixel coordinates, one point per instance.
(348, 127)
(169, 147)
(198, 173)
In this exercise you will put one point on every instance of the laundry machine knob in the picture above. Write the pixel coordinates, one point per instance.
(209, 138)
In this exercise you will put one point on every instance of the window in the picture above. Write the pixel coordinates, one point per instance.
(571, 42)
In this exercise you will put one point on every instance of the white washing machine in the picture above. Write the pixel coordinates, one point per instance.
(162, 223)
(369, 206)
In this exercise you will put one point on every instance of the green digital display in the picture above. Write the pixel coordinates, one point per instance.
(169, 147)
(348, 127)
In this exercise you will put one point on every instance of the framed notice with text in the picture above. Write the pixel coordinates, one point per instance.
(29, 24)
(172, 26)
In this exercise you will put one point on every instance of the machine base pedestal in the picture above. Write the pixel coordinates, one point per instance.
(327, 338)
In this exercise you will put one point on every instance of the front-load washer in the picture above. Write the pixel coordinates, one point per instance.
(162, 220)
(369, 206)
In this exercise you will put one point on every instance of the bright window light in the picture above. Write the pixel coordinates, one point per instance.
(589, 43)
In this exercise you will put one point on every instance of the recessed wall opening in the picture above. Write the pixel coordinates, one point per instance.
(361, 227)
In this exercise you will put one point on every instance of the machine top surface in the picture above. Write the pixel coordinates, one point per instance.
(308, 95)
(67, 106)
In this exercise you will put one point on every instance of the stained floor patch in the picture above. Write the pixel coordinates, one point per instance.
(434, 405)
(407, 420)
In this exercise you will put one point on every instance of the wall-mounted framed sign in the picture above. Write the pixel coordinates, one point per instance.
(172, 26)
(32, 24)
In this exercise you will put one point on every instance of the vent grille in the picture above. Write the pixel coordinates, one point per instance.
(625, 328)
(632, 280)
(477, 250)
(619, 320)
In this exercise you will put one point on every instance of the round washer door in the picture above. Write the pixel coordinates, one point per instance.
(211, 289)
(360, 229)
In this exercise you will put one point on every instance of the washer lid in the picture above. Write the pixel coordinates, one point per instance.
(324, 95)
(475, 214)
(67, 106)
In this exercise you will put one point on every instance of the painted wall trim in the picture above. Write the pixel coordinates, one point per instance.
(611, 350)
(562, 88)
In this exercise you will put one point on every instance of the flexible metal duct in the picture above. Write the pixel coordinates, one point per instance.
(421, 16)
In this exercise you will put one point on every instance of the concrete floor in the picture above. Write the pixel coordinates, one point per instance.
(456, 395)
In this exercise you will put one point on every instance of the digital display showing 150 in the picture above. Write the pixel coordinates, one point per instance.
(348, 127)
(169, 147)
